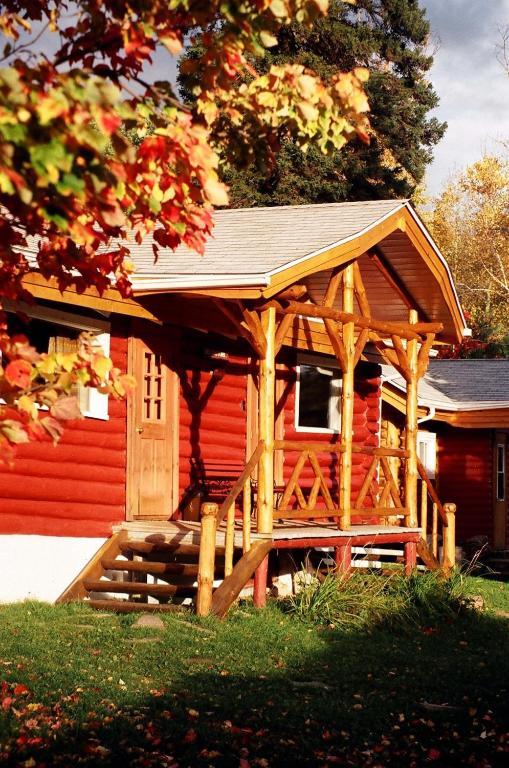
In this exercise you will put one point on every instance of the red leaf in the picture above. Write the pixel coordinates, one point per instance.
(18, 373)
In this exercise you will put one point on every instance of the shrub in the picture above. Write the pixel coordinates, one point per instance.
(369, 600)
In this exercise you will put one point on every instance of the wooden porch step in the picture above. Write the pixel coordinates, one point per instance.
(152, 567)
(140, 547)
(135, 588)
(128, 606)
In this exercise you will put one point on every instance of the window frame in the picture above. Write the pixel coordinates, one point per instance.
(93, 404)
(430, 439)
(330, 364)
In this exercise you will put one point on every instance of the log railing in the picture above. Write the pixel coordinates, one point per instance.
(381, 483)
(303, 501)
(227, 509)
(212, 516)
(301, 498)
(436, 520)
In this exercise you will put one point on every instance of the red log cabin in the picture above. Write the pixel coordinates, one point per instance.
(258, 402)
(463, 439)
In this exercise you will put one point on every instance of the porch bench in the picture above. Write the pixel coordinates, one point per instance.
(213, 481)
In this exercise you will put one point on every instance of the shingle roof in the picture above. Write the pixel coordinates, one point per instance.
(455, 385)
(255, 242)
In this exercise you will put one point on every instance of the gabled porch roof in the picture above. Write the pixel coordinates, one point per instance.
(256, 253)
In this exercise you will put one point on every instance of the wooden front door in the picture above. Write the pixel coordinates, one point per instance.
(153, 429)
(500, 487)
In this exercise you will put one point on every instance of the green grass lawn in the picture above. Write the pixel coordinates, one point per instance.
(261, 689)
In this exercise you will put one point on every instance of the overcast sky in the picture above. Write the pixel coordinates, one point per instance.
(473, 88)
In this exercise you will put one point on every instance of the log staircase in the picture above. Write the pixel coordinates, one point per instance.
(180, 565)
(146, 574)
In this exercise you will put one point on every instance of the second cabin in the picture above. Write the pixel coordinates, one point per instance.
(259, 391)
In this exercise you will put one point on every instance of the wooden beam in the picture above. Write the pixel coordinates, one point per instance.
(388, 353)
(336, 341)
(423, 356)
(293, 292)
(360, 291)
(449, 540)
(411, 430)
(333, 286)
(252, 319)
(206, 563)
(402, 356)
(229, 590)
(282, 330)
(360, 344)
(246, 333)
(404, 330)
(266, 394)
(347, 398)
(394, 280)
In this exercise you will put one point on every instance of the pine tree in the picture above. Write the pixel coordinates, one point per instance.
(390, 37)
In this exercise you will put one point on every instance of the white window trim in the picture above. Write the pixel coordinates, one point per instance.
(329, 364)
(93, 404)
(430, 462)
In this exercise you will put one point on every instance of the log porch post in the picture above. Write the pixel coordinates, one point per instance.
(266, 422)
(411, 428)
(347, 397)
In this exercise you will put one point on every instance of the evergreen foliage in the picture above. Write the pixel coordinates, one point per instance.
(390, 37)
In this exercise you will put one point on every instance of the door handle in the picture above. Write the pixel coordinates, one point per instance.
(139, 430)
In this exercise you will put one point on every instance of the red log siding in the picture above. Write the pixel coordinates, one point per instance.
(465, 477)
(366, 428)
(212, 426)
(76, 488)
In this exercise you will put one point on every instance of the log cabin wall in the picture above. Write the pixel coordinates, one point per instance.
(76, 488)
(366, 425)
(213, 406)
(465, 475)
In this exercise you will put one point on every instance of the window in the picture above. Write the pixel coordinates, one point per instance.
(318, 398)
(427, 452)
(52, 330)
(500, 472)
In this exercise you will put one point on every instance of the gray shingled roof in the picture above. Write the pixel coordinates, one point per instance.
(455, 385)
(256, 242)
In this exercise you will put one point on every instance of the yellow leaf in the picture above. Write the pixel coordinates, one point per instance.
(216, 191)
(172, 44)
(268, 39)
(308, 111)
(48, 365)
(26, 404)
(279, 9)
(101, 366)
(67, 362)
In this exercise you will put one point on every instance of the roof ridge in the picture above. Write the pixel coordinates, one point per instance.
(396, 201)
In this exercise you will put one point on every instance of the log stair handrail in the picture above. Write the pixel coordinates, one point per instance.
(239, 484)
(432, 492)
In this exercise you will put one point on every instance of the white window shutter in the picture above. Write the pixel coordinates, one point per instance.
(94, 404)
(427, 452)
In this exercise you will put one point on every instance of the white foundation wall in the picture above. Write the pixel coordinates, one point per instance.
(41, 567)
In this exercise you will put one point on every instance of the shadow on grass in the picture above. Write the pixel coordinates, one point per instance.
(435, 696)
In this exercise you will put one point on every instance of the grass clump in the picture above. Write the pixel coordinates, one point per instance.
(367, 601)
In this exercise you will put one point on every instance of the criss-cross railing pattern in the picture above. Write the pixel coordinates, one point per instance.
(309, 493)
(381, 484)
(302, 498)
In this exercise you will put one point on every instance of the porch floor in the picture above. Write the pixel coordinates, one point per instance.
(188, 532)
